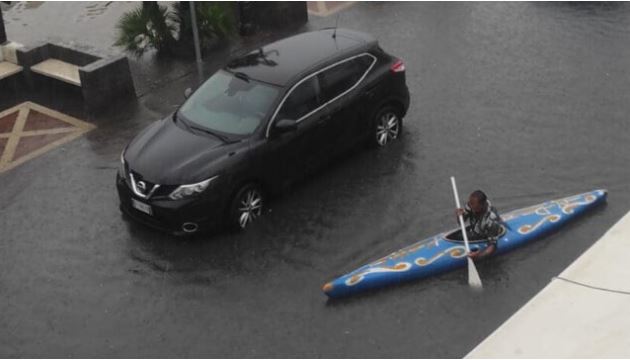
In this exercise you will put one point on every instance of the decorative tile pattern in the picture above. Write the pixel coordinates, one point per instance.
(29, 130)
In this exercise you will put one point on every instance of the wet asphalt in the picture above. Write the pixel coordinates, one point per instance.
(527, 101)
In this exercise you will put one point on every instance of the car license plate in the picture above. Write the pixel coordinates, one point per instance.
(145, 208)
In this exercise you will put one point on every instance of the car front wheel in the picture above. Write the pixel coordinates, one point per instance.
(247, 206)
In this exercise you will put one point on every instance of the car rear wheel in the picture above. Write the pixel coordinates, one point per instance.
(247, 206)
(387, 127)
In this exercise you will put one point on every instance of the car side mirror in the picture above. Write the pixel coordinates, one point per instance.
(187, 93)
(285, 126)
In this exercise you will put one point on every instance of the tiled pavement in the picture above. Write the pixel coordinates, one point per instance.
(29, 130)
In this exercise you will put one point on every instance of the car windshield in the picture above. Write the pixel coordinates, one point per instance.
(229, 104)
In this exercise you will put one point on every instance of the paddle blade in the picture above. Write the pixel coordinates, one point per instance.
(473, 276)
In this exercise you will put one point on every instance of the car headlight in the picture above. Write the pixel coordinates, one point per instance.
(121, 168)
(184, 191)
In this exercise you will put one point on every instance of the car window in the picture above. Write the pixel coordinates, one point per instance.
(342, 77)
(363, 63)
(302, 100)
(229, 104)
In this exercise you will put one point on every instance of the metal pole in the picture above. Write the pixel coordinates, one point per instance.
(193, 20)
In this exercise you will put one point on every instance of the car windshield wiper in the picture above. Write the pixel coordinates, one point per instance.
(223, 138)
(182, 121)
(242, 76)
(179, 119)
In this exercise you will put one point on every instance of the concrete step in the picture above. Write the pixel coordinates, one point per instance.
(7, 69)
(59, 70)
(8, 52)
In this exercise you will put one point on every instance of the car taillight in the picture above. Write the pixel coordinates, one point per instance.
(398, 66)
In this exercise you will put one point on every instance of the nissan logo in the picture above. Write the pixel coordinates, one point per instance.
(142, 186)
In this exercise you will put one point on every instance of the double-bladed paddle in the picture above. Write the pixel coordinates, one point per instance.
(473, 276)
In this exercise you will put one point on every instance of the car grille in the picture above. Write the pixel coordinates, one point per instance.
(164, 191)
(141, 187)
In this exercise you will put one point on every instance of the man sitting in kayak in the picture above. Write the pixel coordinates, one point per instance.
(484, 220)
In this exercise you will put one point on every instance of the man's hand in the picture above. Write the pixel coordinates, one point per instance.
(475, 254)
(478, 254)
(458, 212)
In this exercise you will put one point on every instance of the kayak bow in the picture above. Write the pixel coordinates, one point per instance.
(444, 252)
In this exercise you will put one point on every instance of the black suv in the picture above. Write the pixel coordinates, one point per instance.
(264, 120)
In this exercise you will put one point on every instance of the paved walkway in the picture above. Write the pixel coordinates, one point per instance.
(327, 8)
(582, 313)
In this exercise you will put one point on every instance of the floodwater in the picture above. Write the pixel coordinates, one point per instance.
(527, 101)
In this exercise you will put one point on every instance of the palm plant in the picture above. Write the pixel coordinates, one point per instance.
(144, 28)
(214, 20)
(181, 16)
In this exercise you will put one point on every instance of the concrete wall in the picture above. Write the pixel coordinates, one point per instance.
(3, 32)
(28, 56)
(107, 82)
(39, 52)
(103, 81)
(12, 89)
(70, 55)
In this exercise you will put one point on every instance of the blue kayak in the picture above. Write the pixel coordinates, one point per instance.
(446, 251)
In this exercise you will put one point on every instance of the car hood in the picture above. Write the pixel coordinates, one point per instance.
(167, 154)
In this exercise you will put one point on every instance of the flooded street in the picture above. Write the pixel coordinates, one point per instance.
(526, 101)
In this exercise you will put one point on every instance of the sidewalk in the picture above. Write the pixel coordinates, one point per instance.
(91, 26)
(583, 313)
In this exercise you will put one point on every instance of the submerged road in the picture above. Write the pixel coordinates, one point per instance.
(527, 101)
